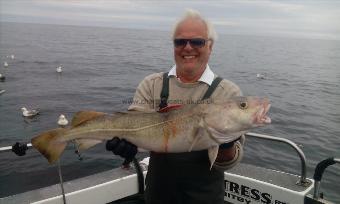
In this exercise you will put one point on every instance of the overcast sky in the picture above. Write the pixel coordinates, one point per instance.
(307, 19)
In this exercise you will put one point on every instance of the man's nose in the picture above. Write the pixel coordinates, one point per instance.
(188, 46)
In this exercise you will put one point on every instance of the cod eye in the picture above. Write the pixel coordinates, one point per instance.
(243, 105)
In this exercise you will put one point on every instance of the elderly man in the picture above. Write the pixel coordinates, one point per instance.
(185, 177)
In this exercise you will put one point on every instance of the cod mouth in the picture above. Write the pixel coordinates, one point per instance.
(261, 116)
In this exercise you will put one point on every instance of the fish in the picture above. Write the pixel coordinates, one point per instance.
(193, 127)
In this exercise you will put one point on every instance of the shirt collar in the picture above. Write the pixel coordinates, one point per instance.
(207, 76)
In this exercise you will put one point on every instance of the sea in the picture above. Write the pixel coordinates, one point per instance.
(103, 66)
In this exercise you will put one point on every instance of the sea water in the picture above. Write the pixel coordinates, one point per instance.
(103, 66)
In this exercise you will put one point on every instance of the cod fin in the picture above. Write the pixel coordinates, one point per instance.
(83, 144)
(212, 153)
(84, 116)
(49, 144)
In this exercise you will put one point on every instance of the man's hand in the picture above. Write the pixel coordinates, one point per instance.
(122, 148)
(229, 154)
(226, 152)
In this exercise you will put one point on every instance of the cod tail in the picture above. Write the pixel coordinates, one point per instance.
(50, 144)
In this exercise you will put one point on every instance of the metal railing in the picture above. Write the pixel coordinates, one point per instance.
(9, 148)
(319, 170)
(303, 181)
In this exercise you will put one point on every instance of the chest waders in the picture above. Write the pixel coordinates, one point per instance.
(183, 178)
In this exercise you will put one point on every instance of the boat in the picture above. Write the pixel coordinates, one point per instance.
(244, 183)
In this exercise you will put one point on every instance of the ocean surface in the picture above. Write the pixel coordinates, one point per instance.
(103, 66)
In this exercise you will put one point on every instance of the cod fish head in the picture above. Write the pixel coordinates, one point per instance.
(236, 115)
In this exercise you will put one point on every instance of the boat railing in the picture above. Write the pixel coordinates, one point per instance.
(303, 178)
(319, 170)
(302, 181)
(9, 148)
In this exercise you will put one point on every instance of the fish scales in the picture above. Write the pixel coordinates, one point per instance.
(138, 127)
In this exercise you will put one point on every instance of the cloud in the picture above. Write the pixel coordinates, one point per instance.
(238, 17)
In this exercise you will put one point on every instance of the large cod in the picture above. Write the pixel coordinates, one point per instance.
(204, 125)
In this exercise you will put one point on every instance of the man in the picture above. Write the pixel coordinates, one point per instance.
(184, 177)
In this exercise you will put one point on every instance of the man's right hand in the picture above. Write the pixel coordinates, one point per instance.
(122, 148)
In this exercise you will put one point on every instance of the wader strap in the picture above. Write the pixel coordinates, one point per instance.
(165, 91)
(212, 88)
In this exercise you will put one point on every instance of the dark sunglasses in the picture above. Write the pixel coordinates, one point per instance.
(194, 42)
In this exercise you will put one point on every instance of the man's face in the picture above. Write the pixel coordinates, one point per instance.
(191, 60)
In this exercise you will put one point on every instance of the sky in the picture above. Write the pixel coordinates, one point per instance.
(318, 19)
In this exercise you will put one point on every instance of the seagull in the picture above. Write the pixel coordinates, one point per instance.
(29, 113)
(2, 78)
(5, 64)
(62, 121)
(12, 56)
(260, 76)
(59, 69)
(2, 91)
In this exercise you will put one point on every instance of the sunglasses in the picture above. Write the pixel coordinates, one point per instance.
(194, 42)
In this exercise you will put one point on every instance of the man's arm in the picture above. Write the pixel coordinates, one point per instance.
(142, 101)
(143, 98)
(229, 154)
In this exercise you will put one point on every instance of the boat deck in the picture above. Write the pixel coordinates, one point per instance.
(285, 180)
(82, 190)
(118, 183)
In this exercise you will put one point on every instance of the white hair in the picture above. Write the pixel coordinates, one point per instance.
(194, 14)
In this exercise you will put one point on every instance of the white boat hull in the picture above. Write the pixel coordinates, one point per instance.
(120, 183)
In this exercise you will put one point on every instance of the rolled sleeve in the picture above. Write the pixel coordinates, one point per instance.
(237, 158)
